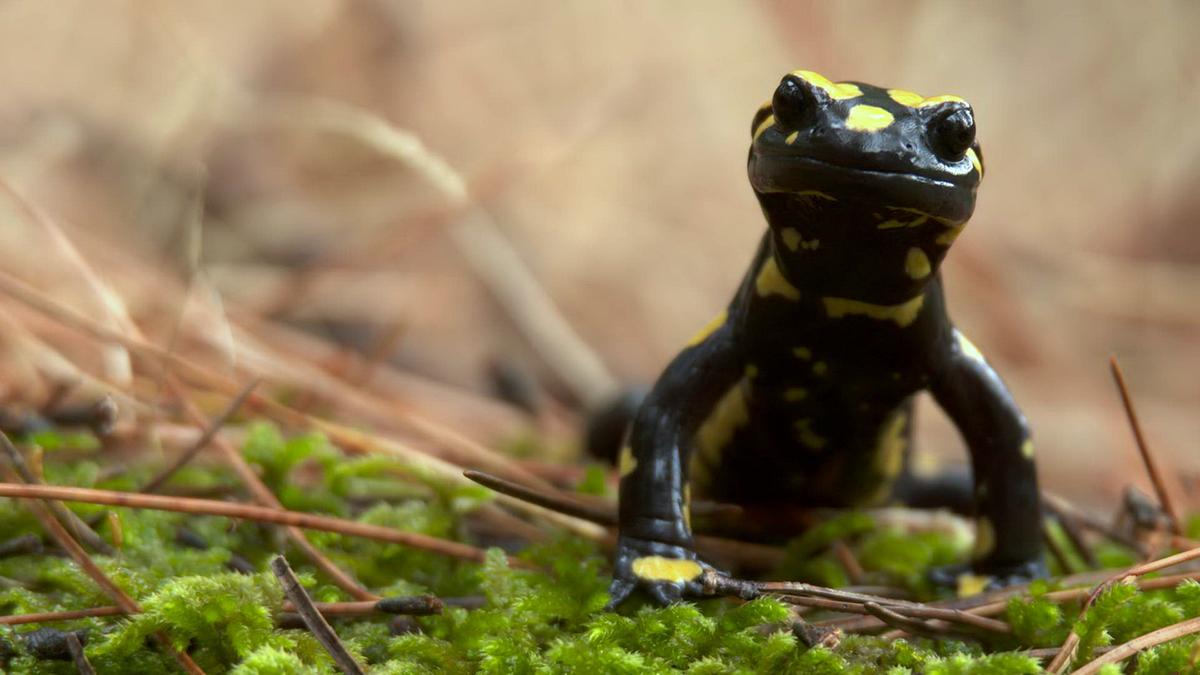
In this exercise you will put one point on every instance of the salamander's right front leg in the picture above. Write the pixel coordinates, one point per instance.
(654, 548)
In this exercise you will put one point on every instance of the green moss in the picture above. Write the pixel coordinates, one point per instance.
(546, 620)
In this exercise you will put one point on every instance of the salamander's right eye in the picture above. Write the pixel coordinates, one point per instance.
(793, 103)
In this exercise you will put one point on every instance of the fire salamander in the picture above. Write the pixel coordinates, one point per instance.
(801, 391)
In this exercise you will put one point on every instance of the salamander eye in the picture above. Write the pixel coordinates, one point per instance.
(793, 103)
(952, 132)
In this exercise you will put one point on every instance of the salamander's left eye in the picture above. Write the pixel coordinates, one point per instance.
(793, 104)
(951, 132)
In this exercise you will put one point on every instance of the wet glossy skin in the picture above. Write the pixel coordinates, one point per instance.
(800, 391)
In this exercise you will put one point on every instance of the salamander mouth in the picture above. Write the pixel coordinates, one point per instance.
(783, 162)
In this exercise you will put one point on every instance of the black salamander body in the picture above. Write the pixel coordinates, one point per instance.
(800, 392)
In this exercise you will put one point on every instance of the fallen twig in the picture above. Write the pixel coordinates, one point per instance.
(210, 431)
(312, 618)
(81, 662)
(253, 512)
(1124, 651)
(1160, 486)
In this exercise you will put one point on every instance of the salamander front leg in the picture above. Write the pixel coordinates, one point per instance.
(654, 548)
(1007, 500)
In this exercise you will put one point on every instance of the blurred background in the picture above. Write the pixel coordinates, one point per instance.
(557, 189)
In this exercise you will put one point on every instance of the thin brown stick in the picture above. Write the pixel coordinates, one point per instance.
(556, 501)
(81, 662)
(1152, 468)
(264, 514)
(59, 533)
(69, 615)
(209, 432)
(849, 563)
(904, 623)
(416, 605)
(1122, 652)
(312, 618)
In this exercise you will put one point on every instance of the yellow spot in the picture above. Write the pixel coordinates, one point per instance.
(687, 506)
(771, 281)
(717, 430)
(802, 353)
(944, 98)
(985, 538)
(820, 368)
(914, 100)
(903, 314)
(794, 241)
(658, 568)
(889, 455)
(916, 264)
(807, 436)
(971, 584)
(836, 92)
(817, 194)
(895, 223)
(627, 462)
(751, 371)
(765, 105)
(763, 126)
(868, 118)
(907, 98)
(946, 238)
(967, 347)
(709, 328)
(1027, 449)
(795, 394)
(975, 160)
(791, 138)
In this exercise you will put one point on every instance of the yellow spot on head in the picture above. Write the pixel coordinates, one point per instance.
(627, 462)
(794, 394)
(763, 126)
(907, 98)
(658, 568)
(807, 436)
(770, 281)
(751, 371)
(802, 353)
(985, 538)
(1027, 449)
(709, 328)
(916, 264)
(820, 368)
(971, 584)
(836, 92)
(975, 160)
(903, 314)
(791, 138)
(967, 347)
(868, 118)
(944, 98)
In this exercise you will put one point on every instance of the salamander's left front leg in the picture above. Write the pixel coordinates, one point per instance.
(1007, 500)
